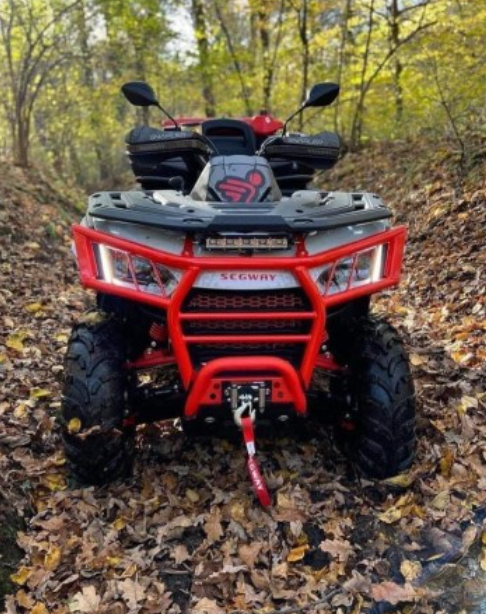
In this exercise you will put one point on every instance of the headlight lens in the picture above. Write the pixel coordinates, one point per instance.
(361, 268)
(135, 272)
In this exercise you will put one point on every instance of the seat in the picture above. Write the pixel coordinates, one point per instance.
(230, 136)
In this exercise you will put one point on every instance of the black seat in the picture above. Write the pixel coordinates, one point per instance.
(230, 136)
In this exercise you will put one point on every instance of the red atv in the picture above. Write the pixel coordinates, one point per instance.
(229, 293)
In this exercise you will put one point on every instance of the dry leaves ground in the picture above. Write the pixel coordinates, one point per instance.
(185, 534)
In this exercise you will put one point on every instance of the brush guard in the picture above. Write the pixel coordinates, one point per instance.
(207, 383)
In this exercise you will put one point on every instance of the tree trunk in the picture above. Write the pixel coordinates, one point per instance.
(398, 68)
(200, 29)
(245, 91)
(266, 62)
(304, 39)
(22, 139)
(357, 125)
(342, 58)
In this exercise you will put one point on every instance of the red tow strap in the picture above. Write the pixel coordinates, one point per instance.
(253, 468)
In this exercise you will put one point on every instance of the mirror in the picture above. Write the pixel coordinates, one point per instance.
(140, 94)
(322, 95)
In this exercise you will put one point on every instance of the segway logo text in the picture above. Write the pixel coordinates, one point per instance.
(248, 276)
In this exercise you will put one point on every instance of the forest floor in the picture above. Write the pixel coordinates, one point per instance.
(184, 534)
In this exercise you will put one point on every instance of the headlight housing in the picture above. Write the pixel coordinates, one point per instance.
(358, 269)
(127, 270)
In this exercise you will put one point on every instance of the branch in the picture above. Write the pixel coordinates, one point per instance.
(392, 52)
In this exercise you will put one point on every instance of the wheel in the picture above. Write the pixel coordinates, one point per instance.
(97, 446)
(383, 443)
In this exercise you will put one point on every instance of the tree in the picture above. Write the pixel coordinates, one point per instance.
(202, 41)
(36, 42)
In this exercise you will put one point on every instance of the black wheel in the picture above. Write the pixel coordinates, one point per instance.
(383, 443)
(98, 447)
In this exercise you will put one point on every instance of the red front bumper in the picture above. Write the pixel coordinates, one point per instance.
(203, 381)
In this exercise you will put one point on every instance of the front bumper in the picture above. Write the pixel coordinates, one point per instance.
(198, 379)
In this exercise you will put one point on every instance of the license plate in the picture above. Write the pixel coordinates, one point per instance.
(242, 243)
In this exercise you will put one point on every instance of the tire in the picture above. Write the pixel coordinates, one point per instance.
(94, 393)
(383, 444)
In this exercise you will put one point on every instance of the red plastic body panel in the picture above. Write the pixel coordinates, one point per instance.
(198, 381)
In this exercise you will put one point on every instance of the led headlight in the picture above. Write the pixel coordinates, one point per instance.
(356, 270)
(123, 269)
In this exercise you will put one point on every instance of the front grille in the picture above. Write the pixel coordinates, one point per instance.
(292, 300)
(248, 327)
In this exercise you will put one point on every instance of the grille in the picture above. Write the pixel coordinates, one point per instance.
(293, 299)
(248, 327)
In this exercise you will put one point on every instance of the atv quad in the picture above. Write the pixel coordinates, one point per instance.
(230, 293)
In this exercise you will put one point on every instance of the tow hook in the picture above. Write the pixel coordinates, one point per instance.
(244, 416)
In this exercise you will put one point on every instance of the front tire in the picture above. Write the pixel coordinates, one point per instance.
(383, 444)
(97, 446)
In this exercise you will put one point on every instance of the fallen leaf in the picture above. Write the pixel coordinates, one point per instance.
(132, 592)
(207, 606)
(54, 482)
(391, 515)
(404, 480)
(33, 307)
(446, 463)
(180, 554)
(24, 599)
(52, 558)
(393, 593)
(87, 600)
(119, 523)
(441, 500)
(410, 570)
(15, 341)
(213, 527)
(39, 608)
(249, 553)
(39, 393)
(297, 554)
(416, 360)
(192, 495)
(74, 425)
(339, 549)
(482, 559)
(21, 575)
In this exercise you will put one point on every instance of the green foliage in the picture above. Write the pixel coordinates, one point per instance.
(405, 67)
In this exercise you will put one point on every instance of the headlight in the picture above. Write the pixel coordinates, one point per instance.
(123, 269)
(356, 270)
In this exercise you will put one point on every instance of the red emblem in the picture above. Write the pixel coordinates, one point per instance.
(238, 190)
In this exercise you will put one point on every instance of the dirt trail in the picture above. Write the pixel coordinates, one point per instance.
(184, 534)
